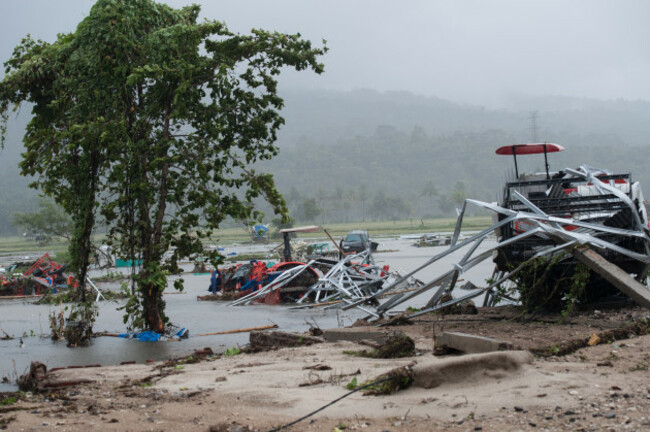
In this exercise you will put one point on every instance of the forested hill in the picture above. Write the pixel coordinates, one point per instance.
(332, 115)
(15, 196)
(364, 154)
(387, 155)
(424, 175)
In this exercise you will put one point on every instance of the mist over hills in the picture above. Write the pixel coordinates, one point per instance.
(401, 145)
(15, 195)
(337, 114)
(364, 154)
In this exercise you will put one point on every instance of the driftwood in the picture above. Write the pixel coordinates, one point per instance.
(243, 330)
(265, 341)
(37, 379)
(32, 380)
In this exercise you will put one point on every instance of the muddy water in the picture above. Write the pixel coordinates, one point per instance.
(22, 318)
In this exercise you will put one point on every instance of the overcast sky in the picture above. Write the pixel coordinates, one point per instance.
(470, 51)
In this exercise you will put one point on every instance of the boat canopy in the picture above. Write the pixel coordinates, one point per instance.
(531, 148)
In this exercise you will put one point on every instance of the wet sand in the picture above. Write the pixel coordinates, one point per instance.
(594, 388)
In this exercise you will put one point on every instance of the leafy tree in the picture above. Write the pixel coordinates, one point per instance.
(459, 194)
(310, 209)
(160, 116)
(51, 220)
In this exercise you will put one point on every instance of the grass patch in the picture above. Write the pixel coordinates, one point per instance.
(252, 257)
(18, 244)
(9, 400)
(58, 247)
(111, 276)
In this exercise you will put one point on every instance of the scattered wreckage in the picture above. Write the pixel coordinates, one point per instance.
(301, 276)
(40, 277)
(586, 214)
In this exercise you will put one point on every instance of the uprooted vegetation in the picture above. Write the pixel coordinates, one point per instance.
(641, 327)
(385, 384)
(553, 285)
(397, 346)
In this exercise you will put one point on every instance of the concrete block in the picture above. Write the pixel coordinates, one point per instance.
(471, 344)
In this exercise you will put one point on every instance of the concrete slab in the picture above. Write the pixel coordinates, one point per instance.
(471, 344)
(614, 275)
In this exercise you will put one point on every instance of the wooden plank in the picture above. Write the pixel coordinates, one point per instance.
(614, 275)
(16, 297)
(244, 330)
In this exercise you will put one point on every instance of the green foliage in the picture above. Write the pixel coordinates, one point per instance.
(50, 221)
(9, 400)
(161, 116)
(133, 308)
(232, 351)
(551, 284)
(62, 257)
(66, 296)
(79, 328)
(352, 384)
(577, 286)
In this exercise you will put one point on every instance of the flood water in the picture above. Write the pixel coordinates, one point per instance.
(24, 318)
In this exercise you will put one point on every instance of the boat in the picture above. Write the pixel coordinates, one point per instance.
(42, 277)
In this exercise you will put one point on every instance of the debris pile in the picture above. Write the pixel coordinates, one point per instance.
(585, 215)
(611, 220)
(42, 276)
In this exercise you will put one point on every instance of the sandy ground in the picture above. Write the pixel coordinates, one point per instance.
(602, 387)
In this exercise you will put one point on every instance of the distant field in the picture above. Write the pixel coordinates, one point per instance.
(9, 245)
(16, 244)
(375, 229)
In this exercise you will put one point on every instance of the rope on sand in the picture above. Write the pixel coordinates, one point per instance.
(279, 428)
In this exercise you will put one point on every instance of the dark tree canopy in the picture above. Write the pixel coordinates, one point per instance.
(148, 119)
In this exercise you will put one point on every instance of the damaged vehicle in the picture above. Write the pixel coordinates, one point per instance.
(357, 241)
(586, 195)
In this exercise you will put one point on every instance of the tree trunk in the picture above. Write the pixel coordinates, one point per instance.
(152, 295)
(151, 298)
(83, 233)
